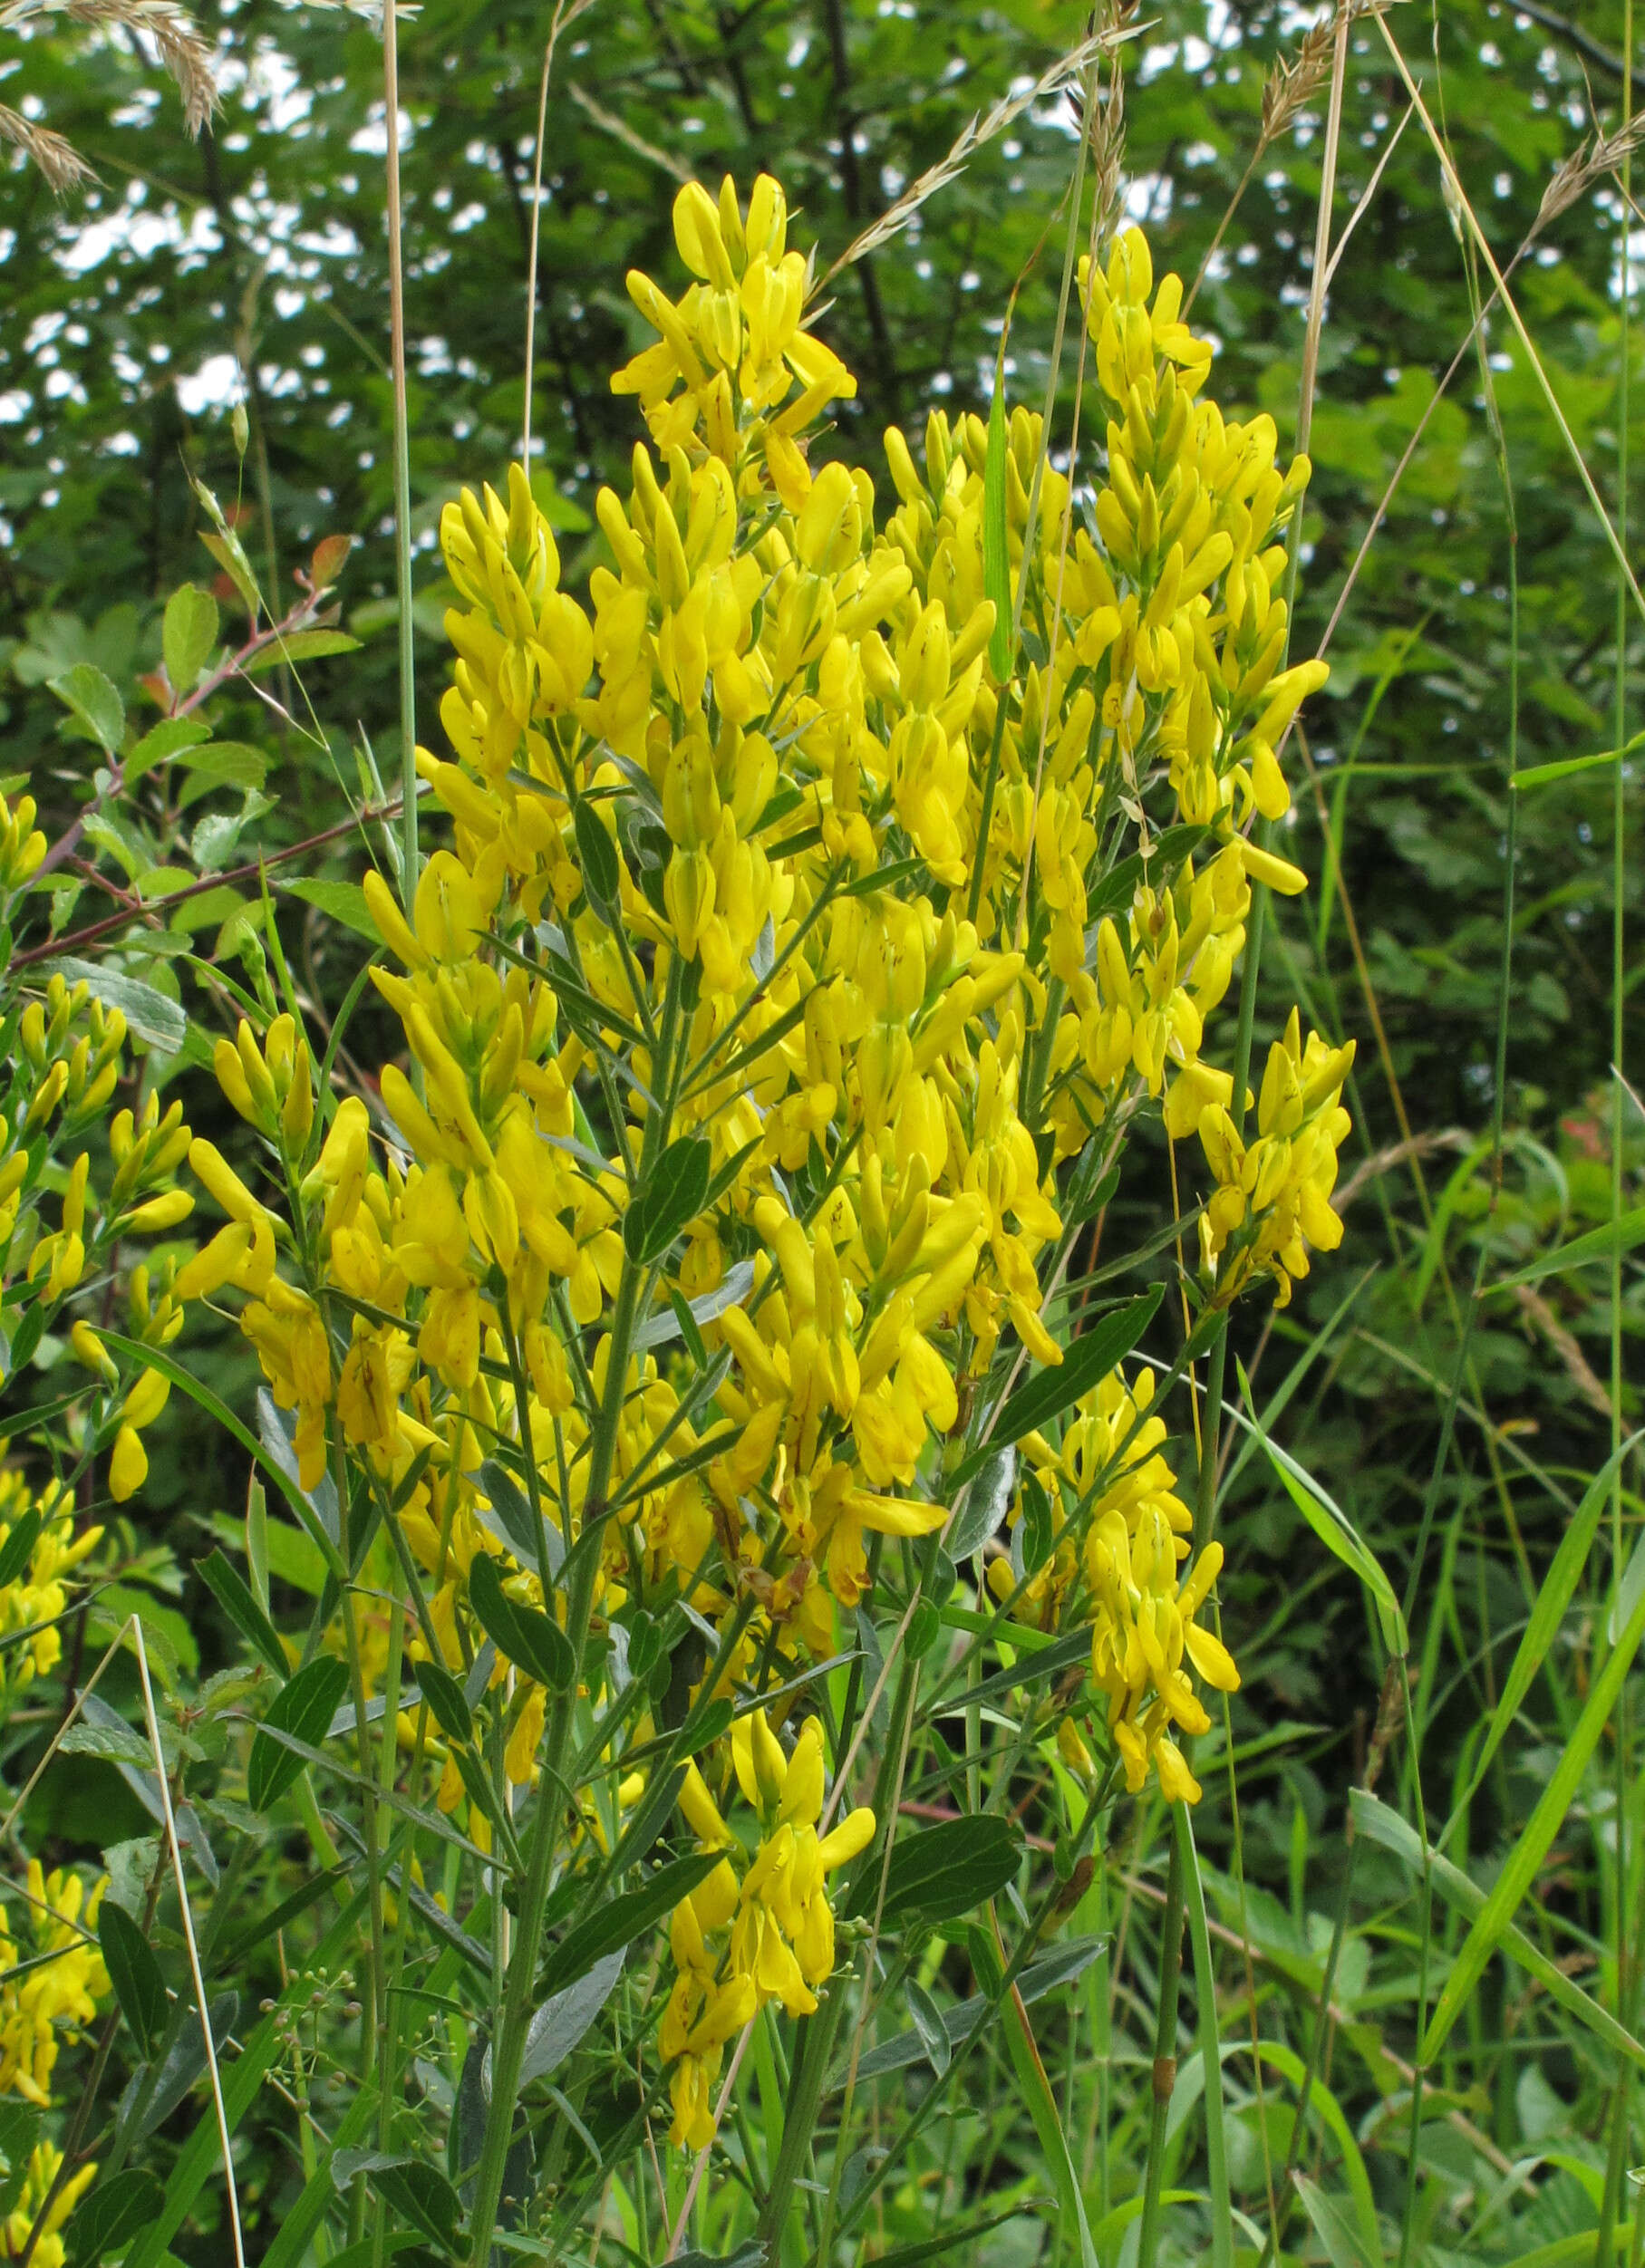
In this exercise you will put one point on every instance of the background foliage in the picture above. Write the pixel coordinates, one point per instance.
(251, 265)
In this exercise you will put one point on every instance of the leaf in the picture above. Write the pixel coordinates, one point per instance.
(563, 2019)
(188, 637)
(112, 2213)
(1331, 2225)
(944, 1871)
(221, 764)
(299, 645)
(671, 1196)
(1558, 1587)
(226, 548)
(1544, 775)
(134, 1973)
(752, 2254)
(620, 1920)
(1525, 1860)
(444, 1696)
(147, 1013)
(928, 2023)
(232, 1594)
(519, 1524)
(169, 738)
(986, 1503)
(184, 2063)
(19, 2133)
(533, 1641)
(731, 1291)
(597, 856)
(304, 1708)
(18, 1549)
(996, 554)
(1612, 1236)
(423, 2195)
(342, 901)
(279, 1428)
(1046, 1395)
(87, 694)
(1332, 1526)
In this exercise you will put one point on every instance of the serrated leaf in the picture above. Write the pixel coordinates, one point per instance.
(305, 1708)
(134, 1973)
(221, 764)
(87, 694)
(189, 636)
(164, 743)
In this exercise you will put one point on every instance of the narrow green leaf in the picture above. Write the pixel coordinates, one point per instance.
(18, 1549)
(1331, 2225)
(1620, 1235)
(1046, 2112)
(447, 1702)
(341, 902)
(944, 1871)
(533, 1641)
(671, 1197)
(229, 1587)
(597, 856)
(1046, 1395)
(618, 1922)
(1374, 1819)
(1544, 775)
(304, 1708)
(1204, 1987)
(1332, 1526)
(1559, 1587)
(134, 1973)
(300, 645)
(1535, 1837)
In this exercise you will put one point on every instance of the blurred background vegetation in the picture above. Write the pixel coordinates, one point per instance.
(249, 267)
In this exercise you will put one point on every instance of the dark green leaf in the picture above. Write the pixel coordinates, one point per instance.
(597, 855)
(134, 1973)
(304, 1708)
(18, 1549)
(112, 2213)
(425, 2197)
(671, 1197)
(944, 1871)
(1050, 1392)
(444, 1696)
(528, 1638)
(621, 1920)
(232, 1594)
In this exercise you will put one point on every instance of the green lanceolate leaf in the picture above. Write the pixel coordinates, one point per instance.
(112, 2213)
(304, 1708)
(597, 855)
(1332, 1526)
(619, 1922)
(229, 1587)
(671, 1197)
(533, 1641)
(18, 1549)
(944, 1871)
(1620, 1235)
(134, 1973)
(1089, 1358)
(447, 1705)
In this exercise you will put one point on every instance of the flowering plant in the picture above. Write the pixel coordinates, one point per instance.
(677, 1359)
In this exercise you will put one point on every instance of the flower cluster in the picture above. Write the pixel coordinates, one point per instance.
(800, 940)
(44, 2163)
(33, 1605)
(761, 1927)
(53, 1997)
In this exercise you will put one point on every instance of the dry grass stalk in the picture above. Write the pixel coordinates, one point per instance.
(1291, 86)
(1107, 128)
(61, 164)
(1060, 79)
(1538, 1313)
(1587, 163)
(609, 123)
(1422, 1146)
(178, 40)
